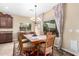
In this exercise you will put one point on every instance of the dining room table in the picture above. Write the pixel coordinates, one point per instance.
(36, 40)
(33, 37)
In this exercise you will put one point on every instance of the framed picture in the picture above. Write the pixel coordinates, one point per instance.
(25, 27)
(29, 27)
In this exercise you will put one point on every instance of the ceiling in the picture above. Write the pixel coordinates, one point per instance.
(25, 9)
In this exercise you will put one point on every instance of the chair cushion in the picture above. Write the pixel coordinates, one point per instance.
(25, 40)
(27, 45)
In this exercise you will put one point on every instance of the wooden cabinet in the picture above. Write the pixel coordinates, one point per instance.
(6, 21)
(5, 37)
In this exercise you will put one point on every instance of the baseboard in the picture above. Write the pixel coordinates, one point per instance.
(74, 53)
(56, 46)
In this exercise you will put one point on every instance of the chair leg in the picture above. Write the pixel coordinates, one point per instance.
(21, 53)
(52, 51)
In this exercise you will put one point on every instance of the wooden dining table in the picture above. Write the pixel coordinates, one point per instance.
(36, 39)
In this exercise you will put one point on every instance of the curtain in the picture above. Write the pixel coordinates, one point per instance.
(58, 14)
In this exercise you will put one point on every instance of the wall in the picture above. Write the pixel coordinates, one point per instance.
(71, 27)
(16, 23)
(49, 15)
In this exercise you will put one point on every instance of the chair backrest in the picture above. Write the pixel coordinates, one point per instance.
(49, 42)
(22, 34)
(31, 32)
(20, 41)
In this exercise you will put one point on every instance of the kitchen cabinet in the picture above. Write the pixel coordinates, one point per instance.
(5, 36)
(6, 20)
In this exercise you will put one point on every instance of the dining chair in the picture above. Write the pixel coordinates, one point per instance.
(47, 47)
(31, 32)
(24, 39)
(25, 47)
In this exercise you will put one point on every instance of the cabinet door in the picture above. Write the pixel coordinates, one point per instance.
(8, 37)
(6, 22)
(2, 38)
(0, 21)
(9, 22)
(3, 22)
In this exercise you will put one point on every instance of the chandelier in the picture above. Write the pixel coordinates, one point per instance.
(35, 19)
(35, 15)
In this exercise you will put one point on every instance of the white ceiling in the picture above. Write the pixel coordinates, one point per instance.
(27, 9)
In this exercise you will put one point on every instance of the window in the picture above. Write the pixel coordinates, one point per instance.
(50, 26)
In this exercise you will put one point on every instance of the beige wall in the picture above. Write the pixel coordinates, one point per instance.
(49, 15)
(71, 26)
(16, 23)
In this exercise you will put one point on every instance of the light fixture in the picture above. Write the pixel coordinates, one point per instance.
(35, 18)
(35, 15)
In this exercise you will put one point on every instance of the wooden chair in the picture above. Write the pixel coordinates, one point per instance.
(31, 32)
(22, 36)
(47, 47)
(24, 39)
(25, 48)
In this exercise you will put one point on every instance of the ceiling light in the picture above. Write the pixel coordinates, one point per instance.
(33, 19)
